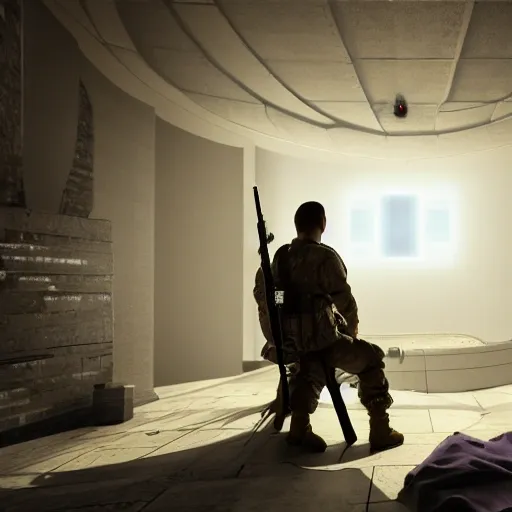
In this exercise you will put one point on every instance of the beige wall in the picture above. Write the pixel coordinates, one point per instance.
(199, 244)
(468, 297)
(123, 174)
(251, 258)
(124, 193)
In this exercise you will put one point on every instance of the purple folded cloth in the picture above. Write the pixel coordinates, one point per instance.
(463, 474)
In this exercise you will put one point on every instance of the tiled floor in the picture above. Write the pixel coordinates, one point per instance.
(197, 450)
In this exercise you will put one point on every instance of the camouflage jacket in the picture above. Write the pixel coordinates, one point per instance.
(318, 272)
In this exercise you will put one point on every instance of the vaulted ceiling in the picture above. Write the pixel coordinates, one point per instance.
(325, 73)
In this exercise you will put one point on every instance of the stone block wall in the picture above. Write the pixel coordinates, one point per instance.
(11, 179)
(78, 196)
(56, 320)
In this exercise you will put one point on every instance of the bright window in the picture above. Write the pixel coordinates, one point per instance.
(416, 227)
(437, 229)
(362, 226)
(399, 226)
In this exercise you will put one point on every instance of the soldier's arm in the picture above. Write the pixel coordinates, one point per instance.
(259, 296)
(333, 279)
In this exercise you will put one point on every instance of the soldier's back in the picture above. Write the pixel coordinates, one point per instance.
(306, 262)
(315, 327)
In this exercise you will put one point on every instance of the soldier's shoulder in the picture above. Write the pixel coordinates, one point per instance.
(321, 253)
(326, 251)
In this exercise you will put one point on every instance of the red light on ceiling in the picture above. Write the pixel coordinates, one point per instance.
(400, 108)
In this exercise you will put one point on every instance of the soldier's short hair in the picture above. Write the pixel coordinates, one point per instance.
(309, 216)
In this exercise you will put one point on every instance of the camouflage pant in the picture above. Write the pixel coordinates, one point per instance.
(355, 356)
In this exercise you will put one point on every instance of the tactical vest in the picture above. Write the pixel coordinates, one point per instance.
(309, 321)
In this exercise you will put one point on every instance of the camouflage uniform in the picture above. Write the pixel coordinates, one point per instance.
(320, 333)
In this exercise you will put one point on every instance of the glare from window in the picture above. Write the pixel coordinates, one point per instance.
(399, 231)
(405, 227)
(437, 229)
(361, 226)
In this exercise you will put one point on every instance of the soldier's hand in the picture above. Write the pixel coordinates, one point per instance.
(339, 318)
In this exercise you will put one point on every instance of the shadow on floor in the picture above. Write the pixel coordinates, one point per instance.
(245, 472)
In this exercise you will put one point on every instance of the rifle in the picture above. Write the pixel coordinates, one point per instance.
(274, 299)
(339, 405)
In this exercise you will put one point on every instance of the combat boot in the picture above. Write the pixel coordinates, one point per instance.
(382, 436)
(301, 434)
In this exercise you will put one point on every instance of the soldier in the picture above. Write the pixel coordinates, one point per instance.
(326, 327)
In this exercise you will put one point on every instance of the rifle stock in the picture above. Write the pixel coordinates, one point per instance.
(339, 406)
(272, 296)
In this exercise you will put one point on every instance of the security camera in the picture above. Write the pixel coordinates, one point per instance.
(400, 109)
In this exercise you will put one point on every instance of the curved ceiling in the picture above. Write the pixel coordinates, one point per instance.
(325, 73)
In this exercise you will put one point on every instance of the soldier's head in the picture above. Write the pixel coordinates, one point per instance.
(310, 220)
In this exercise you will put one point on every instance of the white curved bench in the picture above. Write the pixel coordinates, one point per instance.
(445, 363)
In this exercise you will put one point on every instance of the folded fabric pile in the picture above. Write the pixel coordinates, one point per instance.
(463, 474)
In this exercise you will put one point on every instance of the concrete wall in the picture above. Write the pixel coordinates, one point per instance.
(199, 243)
(469, 296)
(251, 258)
(123, 176)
